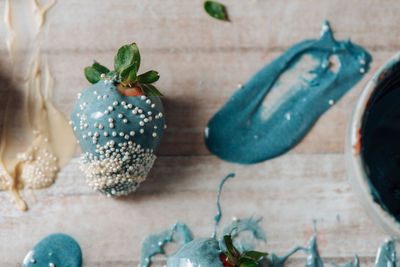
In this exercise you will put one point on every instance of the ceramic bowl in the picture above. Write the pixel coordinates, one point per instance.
(355, 166)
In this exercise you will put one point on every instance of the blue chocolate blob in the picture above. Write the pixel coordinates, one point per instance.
(380, 143)
(59, 250)
(244, 131)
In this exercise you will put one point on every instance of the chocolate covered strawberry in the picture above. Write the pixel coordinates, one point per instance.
(119, 122)
(207, 252)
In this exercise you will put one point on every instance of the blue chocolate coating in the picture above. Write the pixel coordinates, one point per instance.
(202, 252)
(95, 112)
(244, 131)
(58, 249)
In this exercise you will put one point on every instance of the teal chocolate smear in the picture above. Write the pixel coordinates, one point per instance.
(386, 256)
(217, 217)
(313, 257)
(244, 131)
(380, 142)
(154, 243)
(58, 249)
(250, 225)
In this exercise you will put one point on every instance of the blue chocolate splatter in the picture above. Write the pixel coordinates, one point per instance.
(244, 131)
(380, 143)
(217, 217)
(55, 250)
(154, 243)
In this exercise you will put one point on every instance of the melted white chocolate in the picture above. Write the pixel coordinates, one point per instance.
(36, 139)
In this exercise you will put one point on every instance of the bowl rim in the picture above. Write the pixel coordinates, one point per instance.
(357, 176)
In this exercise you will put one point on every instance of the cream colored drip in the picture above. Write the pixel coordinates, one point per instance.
(10, 40)
(40, 12)
(36, 140)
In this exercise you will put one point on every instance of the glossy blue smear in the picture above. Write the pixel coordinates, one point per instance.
(217, 217)
(246, 130)
(386, 256)
(59, 250)
(154, 243)
(250, 225)
(313, 257)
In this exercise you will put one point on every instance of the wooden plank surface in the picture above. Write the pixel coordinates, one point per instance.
(201, 61)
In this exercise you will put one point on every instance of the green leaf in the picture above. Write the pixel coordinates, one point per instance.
(150, 90)
(100, 68)
(128, 74)
(255, 255)
(149, 77)
(248, 264)
(229, 246)
(92, 75)
(245, 260)
(127, 56)
(216, 10)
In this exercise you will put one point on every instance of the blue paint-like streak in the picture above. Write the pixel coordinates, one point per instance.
(244, 131)
(217, 217)
(154, 243)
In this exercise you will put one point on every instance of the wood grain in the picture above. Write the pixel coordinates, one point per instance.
(201, 61)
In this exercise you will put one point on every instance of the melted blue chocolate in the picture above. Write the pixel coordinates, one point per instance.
(217, 217)
(244, 131)
(386, 256)
(380, 142)
(154, 243)
(59, 250)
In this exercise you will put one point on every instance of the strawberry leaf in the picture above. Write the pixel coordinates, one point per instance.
(126, 56)
(128, 74)
(255, 255)
(92, 75)
(97, 66)
(216, 10)
(248, 264)
(148, 77)
(150, 90)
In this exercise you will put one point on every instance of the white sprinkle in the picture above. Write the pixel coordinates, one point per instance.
(125, 120)
(99, 97)
(96, 125)
(148, 101)
(146, 120)
(51, 264)
(362, 70)
(110, 119)
(111, 125)
(105, 96)
(114, 133)
(143, 97)
(90, 134)
(331, 102)
(79, 95)
(165, 126)
(141, 123)
(121, 134)
(120, 116)
(105, 133)
(115, 103)
(140, 111)
(153, 105)
(141, 131)
(130, 105)
(134, 112)
(142, 116)
(288, 116)
(155, 126)
(154, 134)
(96, 134)
(132, 133)
(102, 75)
(106, 112)
(101, 126)
(126, 136)
(239, 86)
(110, 108)
(84, 136)
(123, 103)
(70, 122)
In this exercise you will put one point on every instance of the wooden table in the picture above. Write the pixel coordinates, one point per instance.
(201, 61)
